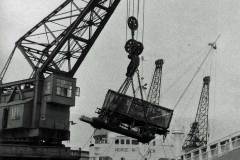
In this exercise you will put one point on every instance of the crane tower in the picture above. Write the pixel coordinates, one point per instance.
(155, 88)
(198, 135)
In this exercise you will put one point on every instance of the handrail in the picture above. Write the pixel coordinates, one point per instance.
(214, 149)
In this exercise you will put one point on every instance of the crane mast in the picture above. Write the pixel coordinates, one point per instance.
(198, 134)
(155, 88)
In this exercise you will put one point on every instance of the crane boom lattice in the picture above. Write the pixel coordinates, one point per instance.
(198, 135)
(155, 88)
(61, 41)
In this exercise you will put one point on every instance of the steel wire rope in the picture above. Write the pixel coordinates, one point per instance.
(5, 68)
(197, 71)
(187, 59)
(138, 5)
(143, 19)
(192, 96)
(176, 81)
(214, 86)
(207, 71)
(194, 76)
(133, 1)
(130, 4)
(138, 8)
(210, 74)
(207, 67)
(180, 76)
(127, 19)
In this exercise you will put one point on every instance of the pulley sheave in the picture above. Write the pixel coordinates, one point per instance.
(134, 47)
(133, 23)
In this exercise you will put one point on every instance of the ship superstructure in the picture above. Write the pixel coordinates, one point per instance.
(227, 148)
(109, 146)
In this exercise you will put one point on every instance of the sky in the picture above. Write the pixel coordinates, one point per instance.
(176, 30)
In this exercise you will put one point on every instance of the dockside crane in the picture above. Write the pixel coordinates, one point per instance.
(154, 92)
(35, 111)
(198, 134)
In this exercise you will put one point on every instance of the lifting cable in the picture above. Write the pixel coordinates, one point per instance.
(214, 75)
(143, 20)
(127, 19)
(133, 47)
(5, 68)
(180, 77)
(196, 73)
(194, 76)
(188, 59)
(133, 9)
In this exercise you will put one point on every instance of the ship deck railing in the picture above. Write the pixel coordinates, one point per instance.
(214, 149)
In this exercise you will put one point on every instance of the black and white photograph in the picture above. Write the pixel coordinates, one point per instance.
(119, 80)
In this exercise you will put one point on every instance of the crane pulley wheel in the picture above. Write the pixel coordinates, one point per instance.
(130, 46)
(139, 48)
(134, 47)
(133, 23)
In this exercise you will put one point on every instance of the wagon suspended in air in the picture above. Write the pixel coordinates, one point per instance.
(132, 117)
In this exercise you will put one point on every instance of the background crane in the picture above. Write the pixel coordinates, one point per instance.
(198, 134)
(154, 92)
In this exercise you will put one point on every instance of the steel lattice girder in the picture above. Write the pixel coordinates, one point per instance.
(198, 134)
(61, 41)
(155, 88)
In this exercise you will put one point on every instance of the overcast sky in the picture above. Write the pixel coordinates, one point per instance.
(176, 30)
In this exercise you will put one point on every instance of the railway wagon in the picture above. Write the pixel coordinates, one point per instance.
(139, 110)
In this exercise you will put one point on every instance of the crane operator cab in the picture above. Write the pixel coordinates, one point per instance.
(44, 121)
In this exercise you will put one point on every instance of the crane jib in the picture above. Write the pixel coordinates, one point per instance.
(60, 43)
